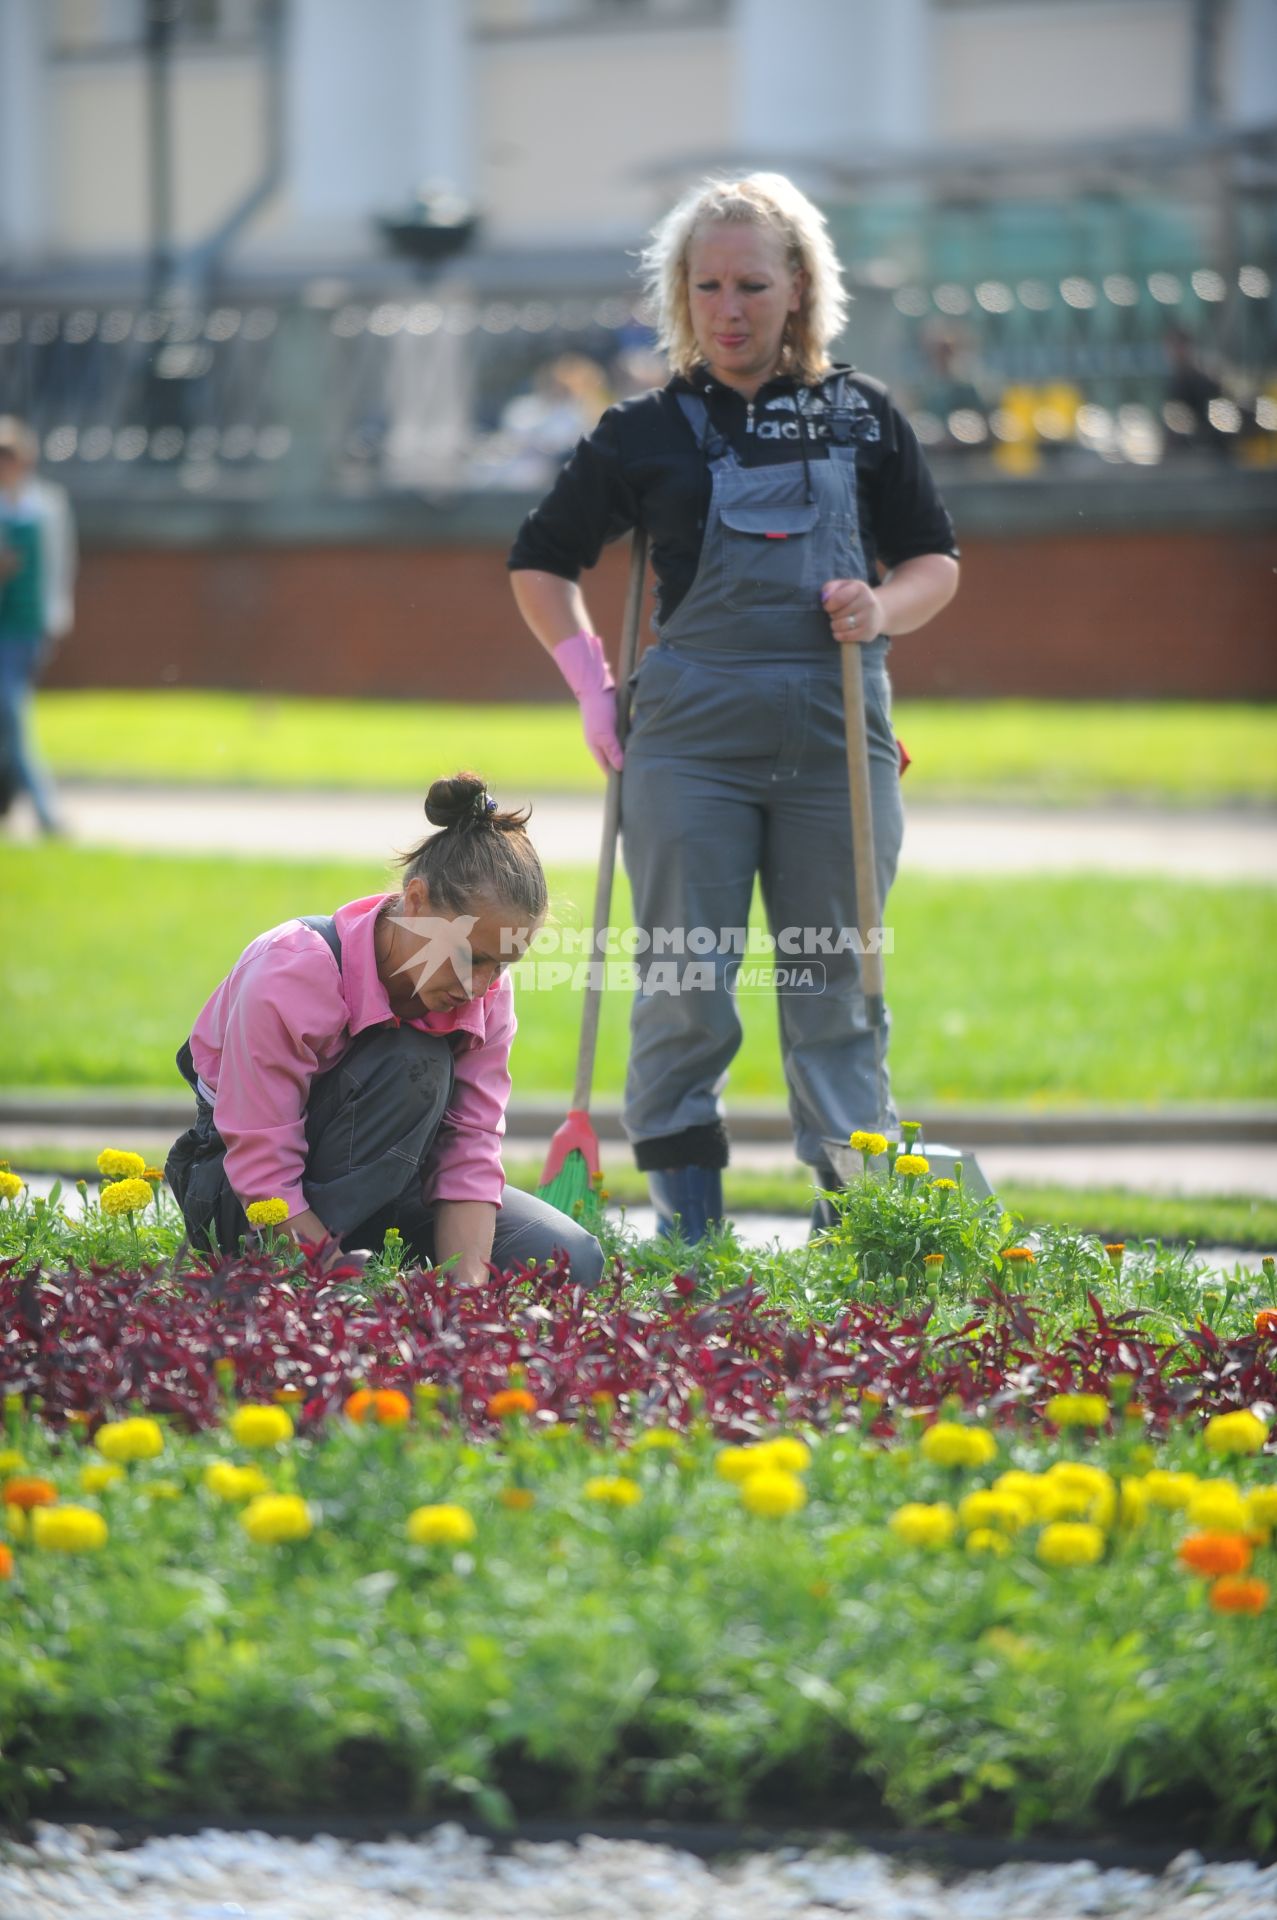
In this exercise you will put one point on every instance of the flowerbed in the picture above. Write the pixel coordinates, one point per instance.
(999, 1626)
(989, 1544)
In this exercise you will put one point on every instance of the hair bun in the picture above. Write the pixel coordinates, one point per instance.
(459, 802)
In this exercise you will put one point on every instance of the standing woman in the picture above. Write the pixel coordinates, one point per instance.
(356, 1067)
(790, 513)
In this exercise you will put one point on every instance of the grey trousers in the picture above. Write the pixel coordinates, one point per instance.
(734, 768)
(370, 1123)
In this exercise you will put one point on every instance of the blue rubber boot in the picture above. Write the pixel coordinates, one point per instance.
(691, 1195)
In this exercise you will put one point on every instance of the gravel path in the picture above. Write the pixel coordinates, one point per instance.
(451, 1876)
(1202, 845)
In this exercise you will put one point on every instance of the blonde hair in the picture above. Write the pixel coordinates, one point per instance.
(766, 200)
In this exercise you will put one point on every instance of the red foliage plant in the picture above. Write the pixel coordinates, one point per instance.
(92, 1343)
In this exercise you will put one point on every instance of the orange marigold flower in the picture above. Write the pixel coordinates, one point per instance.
(6, 1563)
(1235, 1595)
(27, 1491)
(1215, 1553)
(518, 1499)
(386, 1406)
(1020, 1253)
(511, 1400)
(1266, 1320)
(288, 1396)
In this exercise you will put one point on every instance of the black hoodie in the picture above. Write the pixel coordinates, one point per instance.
(642, 462)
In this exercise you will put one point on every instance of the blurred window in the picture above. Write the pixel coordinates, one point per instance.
(495, 15)
(94, 27)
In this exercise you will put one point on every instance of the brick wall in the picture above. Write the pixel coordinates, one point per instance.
(1126, 614)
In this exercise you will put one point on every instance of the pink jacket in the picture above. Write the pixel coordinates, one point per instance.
(284, 1013)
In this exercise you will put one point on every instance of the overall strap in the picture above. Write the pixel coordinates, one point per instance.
(326, 927)
(707, 436)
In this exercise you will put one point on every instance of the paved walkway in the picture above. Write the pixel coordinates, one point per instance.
(1219, 845)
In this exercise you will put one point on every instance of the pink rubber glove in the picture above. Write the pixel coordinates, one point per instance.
(583, 664)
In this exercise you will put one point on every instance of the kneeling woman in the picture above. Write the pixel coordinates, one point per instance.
(358, 1067)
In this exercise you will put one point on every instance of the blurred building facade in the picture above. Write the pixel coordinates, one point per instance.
(286, 276)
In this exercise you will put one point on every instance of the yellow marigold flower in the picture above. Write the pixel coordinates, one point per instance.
(611, 1490)
(10, 1185)
(773, 1492)
(923, 1525)
(1170, 1490)
(987, 1540)
(1077, 1409)
(988, 1507)
(943, 1184)
(869, 1143)
(114, 1164)
(1083, 1490)
(1217, 1506)
(138, 1439)
(1261, 1506)
(127, 1196)
(267, 1213)
(440, 1526)
(658, 1440)
(791, 1455)
(518, 1499)
(912, 1163)
(68, 1529)
(1235, 1433)
(735, 1463)
(100, 1475)
(11, 1461)
(947, 1444)
(261, 1426)
(270, 1518)
(1028, 1487)
(229, 1482)
(1070, 1543)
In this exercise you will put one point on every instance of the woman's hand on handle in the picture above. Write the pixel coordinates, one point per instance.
(913, 593)
(555, 610)
(854, 610)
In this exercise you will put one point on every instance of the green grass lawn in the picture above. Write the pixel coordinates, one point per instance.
(1047, 752)
(1050, 992)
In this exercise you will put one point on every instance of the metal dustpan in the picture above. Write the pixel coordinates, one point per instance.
(848, 1163)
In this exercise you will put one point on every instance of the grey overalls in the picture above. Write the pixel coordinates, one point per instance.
(736, 765)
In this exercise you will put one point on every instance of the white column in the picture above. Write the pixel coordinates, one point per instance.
(24, 160)
(1250, 63)
(443, 110)
(831, 77)
(378, 100)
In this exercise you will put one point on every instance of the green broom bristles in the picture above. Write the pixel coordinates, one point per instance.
(574, 1192)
